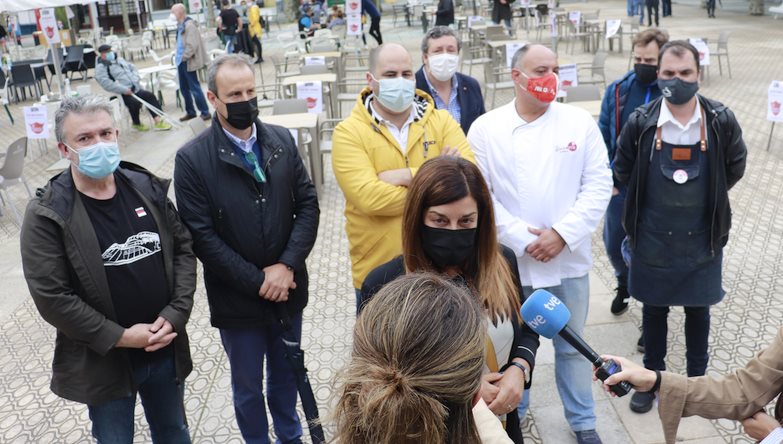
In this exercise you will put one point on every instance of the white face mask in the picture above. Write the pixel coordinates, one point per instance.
(443, 66)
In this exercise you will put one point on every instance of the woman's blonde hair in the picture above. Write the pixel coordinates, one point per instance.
(418, 354)
(444, 180)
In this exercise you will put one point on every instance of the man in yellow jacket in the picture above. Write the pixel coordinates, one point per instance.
(392, 130)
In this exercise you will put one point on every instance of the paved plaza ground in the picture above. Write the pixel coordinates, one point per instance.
(742, 324)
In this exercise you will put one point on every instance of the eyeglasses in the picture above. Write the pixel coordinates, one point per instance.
(258, 173)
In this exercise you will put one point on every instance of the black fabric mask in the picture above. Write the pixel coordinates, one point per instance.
(448, 248)
(242, 114)
(645, 73)
(677, 91)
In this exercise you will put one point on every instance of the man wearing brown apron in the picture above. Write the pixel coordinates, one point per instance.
(678, 156)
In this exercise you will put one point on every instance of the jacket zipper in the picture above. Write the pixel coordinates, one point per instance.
(715, 197)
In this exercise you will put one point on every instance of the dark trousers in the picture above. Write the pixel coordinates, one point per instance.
(667, 7)
(190, 88)
(697, 332)
(614, 233)
(711, 8)
(375, 29)
(650, 9)
(247, 349)
(257, 45)
(134, 106)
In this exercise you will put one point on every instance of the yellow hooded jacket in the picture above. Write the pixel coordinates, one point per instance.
(254, 20)
(363, 147)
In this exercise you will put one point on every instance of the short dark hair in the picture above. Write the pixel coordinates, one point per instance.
(436, 33)
(649, 35)
(679, 48)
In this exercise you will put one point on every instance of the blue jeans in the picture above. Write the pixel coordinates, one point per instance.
(640, 7)
(614, 233)
(229, 40)
(573, 372)
(190, 88)
(697, 333)
(162, 398)
(246, 350)
(631, 8)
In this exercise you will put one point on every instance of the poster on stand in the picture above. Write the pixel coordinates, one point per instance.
(575, 17)
(612, 28)
(49, 26)
(353, 23)
(775, 101)
(511, 49)
(35, 122)
(312, 93)
(315, 60)
(704, 51)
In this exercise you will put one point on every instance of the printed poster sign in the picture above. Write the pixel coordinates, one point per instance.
(511, 49)
(568, 76)
(312, 93)
(35, 122)
(575, 17)
(353, 6)
(353, 23)
(551, 4)
(704, 51)
(194, 6)
(775, 101)
(524, 4)
(49, 26)
(474, 19)
(612, 28)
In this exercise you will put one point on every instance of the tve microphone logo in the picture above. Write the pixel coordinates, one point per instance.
(545, 313)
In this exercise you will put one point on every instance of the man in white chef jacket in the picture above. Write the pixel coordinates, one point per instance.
(546, 166)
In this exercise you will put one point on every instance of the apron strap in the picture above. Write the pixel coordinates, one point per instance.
(702, 134)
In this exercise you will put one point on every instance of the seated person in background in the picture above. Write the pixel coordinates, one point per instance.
(741, 395)
(415, 369)
(117, 75)
(448, 227)
(306, 24)
(338, 19)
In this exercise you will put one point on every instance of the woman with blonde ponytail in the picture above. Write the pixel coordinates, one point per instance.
(415, 370)
(448, 227)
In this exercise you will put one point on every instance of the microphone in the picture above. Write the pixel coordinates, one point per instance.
(545, 314)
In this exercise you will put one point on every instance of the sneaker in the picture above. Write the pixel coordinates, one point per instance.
(642, 402)
(620, 302)
(162, 126)
(640, 344)
(140, 127)
(187, 117)
(588, 437)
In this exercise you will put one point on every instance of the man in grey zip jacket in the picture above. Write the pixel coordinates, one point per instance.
(110, 265)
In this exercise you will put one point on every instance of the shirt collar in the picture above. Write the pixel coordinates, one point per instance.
(417, 111)
(244, 145)
(434, 92)
(666, 116)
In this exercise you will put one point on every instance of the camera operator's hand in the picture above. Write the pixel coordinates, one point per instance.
(641, 378)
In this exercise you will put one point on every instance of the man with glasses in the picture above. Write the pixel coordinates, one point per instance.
(243, 191)
(455, 92)
(110, 265)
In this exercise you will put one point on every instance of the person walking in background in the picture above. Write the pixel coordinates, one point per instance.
(652, 5)
(623, 96)
(545, 163)
(244, 193)
(118, 76)
(444, 16)
(189, 57)
(711, 8)
(501, 11)
(110, 265)
(229, 25)
(369, 8)
(256, 28)
(458, 93)
(678, 156)
(391, 392)
(667, 8)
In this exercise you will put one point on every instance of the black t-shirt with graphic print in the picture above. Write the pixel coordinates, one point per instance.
(132, 257)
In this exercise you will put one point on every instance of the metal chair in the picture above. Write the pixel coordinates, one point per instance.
(494, 81)
(325, 127)
(74, 62)
(313, 69)
(4, 95)
(722, 51)
(347, 92)
(594, 69)
(583, 93)
(24, 78)
(11, 173)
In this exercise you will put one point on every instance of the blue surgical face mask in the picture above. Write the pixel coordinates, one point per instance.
(396, 94)
(99, 160)
(111, 56)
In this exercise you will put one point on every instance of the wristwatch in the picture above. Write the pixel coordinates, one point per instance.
(521, 367)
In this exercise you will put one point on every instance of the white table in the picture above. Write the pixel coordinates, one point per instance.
(155, 72)
(300, 121)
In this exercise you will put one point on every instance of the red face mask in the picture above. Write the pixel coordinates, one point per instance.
(544, 89)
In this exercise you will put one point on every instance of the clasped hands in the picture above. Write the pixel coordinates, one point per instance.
(503, 391)
(548, 245)
(150, 337)
(278, 279)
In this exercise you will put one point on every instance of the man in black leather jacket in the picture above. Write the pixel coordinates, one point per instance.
(251, 207)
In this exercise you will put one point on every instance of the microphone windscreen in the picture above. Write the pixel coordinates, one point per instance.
(545, 313)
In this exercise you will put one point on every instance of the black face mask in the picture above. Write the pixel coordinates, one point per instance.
(242, 114)
(448, 248)
(677, 91)
(645, 73)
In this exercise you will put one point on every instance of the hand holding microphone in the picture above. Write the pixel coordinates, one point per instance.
(547, 315)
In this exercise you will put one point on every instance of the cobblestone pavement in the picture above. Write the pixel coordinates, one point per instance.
(747, 319)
